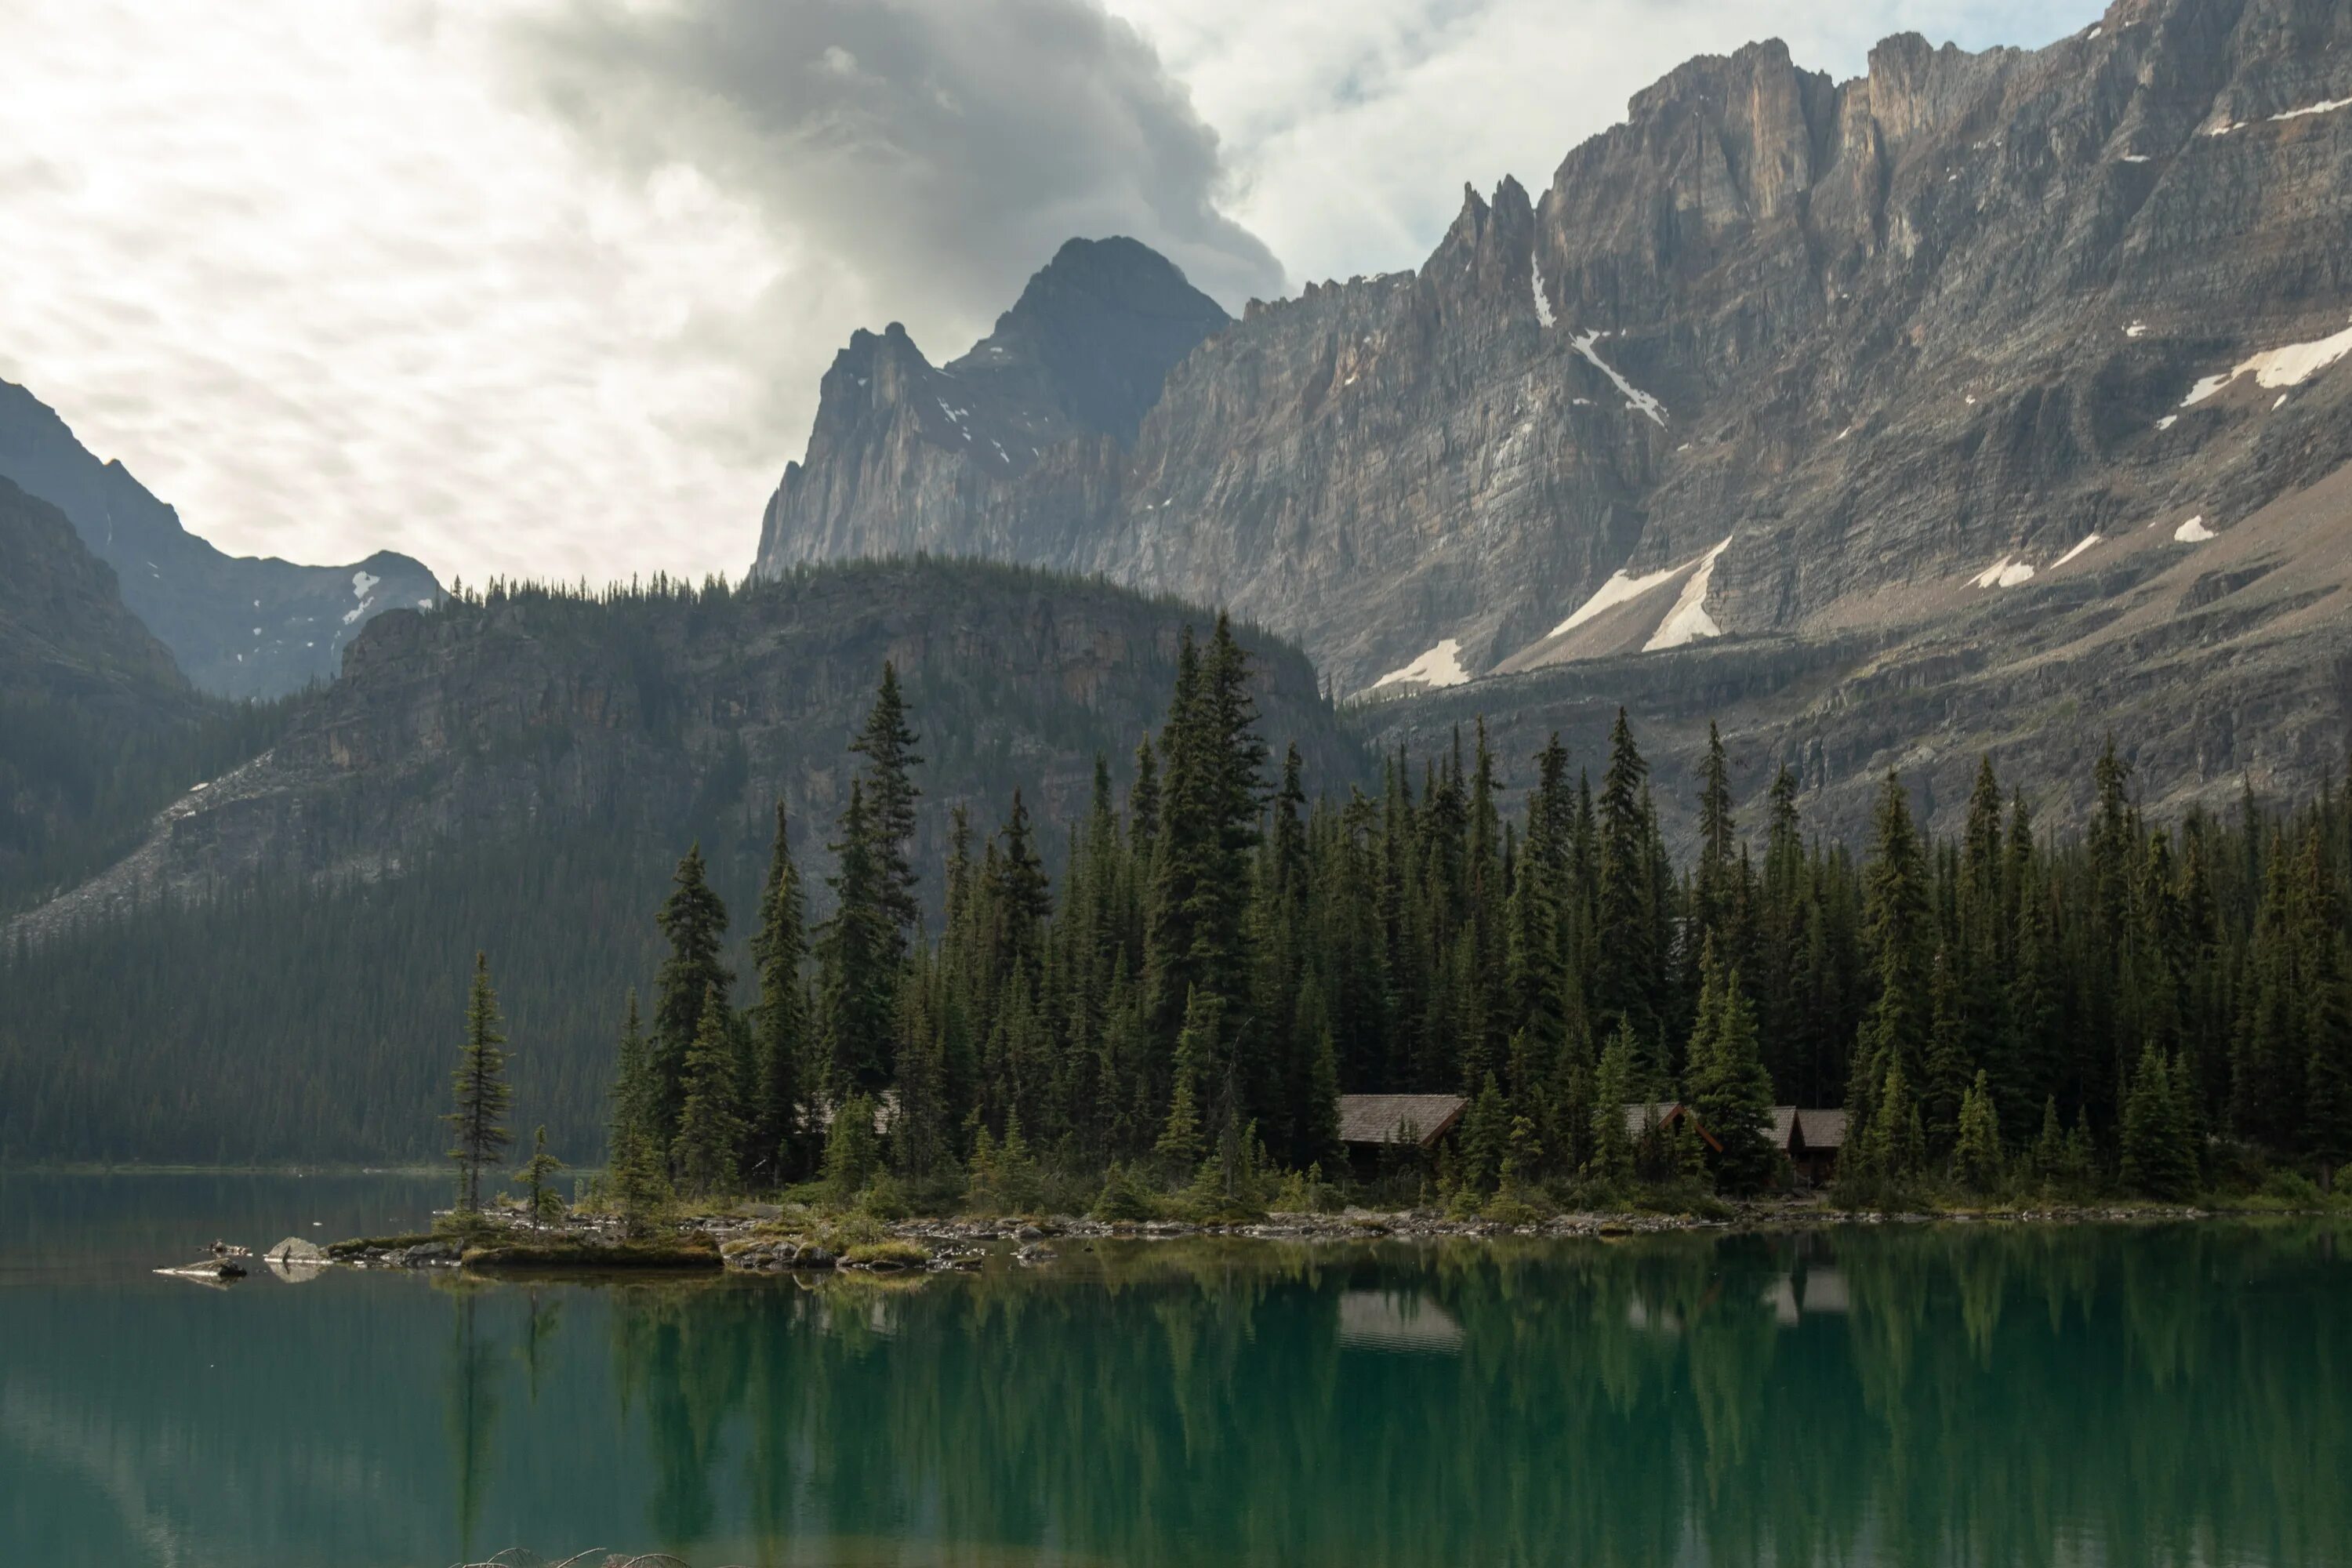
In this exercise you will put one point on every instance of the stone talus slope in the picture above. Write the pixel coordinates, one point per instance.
(238, 626)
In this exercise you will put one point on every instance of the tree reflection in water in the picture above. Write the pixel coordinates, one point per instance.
(1899, 1394)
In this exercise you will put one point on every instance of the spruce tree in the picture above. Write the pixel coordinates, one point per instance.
(633, 1095)
(480, 1089)
(538, 1180)
(887, 743)
(780, 1020)
(1180, 1145)
(1613, 1091)
(857, 961)
(694, 922)
(711, 1123)
(1730, 1089)
(2156, 1161)
(1897, 926)
(1976, 1155)
(1625, 940)
(1485, 1138)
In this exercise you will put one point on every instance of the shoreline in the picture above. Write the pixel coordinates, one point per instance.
(763, 1244)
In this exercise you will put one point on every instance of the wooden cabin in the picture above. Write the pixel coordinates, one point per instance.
(1377, 1126)
(1811, 1139)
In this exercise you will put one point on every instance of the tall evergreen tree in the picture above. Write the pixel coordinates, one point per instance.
(1728, 1086)
(479, 1136)
(887, 743)
(780, 1021)
(711, 1122)
(694, 922)
(857, 961)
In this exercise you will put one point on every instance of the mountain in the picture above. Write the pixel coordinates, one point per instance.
(523, 772)
(98, 727)
(1942, 392)
(1070, 369)
(65, 634)
(238, 626)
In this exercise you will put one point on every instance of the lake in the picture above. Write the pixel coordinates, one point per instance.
(1868, 1394)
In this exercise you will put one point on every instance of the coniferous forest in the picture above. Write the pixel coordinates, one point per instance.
(2154, 1009)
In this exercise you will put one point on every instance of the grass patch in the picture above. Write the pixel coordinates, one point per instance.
(889, 1253)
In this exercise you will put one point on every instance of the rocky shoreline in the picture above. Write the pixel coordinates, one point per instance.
(758, 1239)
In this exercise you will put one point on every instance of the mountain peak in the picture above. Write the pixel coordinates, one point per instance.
(1096, 332)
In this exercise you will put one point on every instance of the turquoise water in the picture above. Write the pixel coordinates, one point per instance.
(1888, 1394)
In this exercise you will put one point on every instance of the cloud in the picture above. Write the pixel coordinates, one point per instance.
(545, 285)
(918, 159)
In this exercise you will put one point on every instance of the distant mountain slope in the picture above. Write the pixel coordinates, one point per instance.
(239, 626)
(64, 632)
(659, 716)
(98, 728)
(1857, 365)
(523, 775)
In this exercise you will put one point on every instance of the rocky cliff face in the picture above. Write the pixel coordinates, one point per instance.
(907, 457)
(1854, 365)
(663, 718)
(238, 626)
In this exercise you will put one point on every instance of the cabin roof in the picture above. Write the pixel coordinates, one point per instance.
(1641, 1113)
(1398, 1119)
(1823, 1129)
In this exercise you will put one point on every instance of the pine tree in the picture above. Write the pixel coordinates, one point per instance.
(1614, 1090)
(858, 963)
(481, 1091)
(2156, 1161)
(1730, 1089)
(1180, 1145)
(780, 1020)
(2050, 1148)
(1976, 1155)
(887, 743)
(1485, 1138)
(694, 922)
(710, 1125)
(1897, 926)
(632, 1109)
(853, 1155)
(1624, 985)
(546, 1203)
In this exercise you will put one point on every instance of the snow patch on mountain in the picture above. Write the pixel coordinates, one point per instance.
(2290, 364)
(1634, 396)
(1440, 665)
(1688, 620)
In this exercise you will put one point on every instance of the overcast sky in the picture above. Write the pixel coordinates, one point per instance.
(545, 287)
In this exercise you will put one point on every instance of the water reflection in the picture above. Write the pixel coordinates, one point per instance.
(1891, 1395)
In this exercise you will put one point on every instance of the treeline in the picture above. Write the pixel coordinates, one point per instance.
(2151, 1007)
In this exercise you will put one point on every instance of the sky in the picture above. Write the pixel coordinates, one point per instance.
(544, 288)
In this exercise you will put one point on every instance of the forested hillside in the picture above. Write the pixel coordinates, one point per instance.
(2150, 1007)
(275, 973)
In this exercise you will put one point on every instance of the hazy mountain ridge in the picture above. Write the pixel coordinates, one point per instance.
(1866, 366)
(238, 626)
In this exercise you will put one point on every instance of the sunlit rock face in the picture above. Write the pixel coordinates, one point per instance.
(1879, 355)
